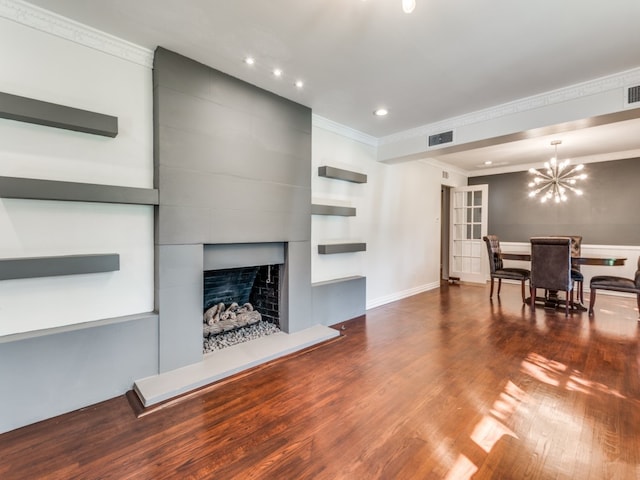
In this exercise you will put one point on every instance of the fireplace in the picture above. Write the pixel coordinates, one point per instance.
(240, 304)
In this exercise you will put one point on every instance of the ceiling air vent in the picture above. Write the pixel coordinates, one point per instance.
(633, 94)
(440, 138)
(445, 174)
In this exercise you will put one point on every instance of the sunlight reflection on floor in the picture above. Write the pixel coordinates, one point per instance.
(490, 430)
(556, 374)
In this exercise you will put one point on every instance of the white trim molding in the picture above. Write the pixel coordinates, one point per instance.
(48, 22)
(377, 302)
(348, 132)
(445, 166)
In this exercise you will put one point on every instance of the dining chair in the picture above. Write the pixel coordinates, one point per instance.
(576, 274)
(613, 283)
(497, 269)
(551, 268)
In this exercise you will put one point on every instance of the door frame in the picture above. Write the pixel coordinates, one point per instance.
(467, 257)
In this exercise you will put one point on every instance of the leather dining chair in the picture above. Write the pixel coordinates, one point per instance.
(551, 267)
(576, 274)
(618, 284)
(497, 269)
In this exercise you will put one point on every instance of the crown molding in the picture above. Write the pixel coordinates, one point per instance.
(445, 166)
(48, 22)
(580, 90)
(331, 126)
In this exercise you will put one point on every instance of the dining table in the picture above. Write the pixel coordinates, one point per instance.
(552, 300)
(607, 261)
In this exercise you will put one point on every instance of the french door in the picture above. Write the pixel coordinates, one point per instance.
(468, 225)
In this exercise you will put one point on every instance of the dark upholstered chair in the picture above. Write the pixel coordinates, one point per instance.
(551, 267)
(576, 274)
(618, 284)
(497, 270)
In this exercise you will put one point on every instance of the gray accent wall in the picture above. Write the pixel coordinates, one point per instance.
(339, 300)
(232, 166)
(233, 161)
(606, 214)
(47, 373)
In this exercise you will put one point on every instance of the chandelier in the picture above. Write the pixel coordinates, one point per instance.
(555, 179)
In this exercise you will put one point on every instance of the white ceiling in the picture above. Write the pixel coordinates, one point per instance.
(445, 59)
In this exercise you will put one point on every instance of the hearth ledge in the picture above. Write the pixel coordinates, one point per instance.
(229, 361)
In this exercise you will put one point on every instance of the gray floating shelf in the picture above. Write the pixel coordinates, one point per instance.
(341, 248)
(29, 110)
(34, 189)
(332, 210)
(35, 267)
(339, 174)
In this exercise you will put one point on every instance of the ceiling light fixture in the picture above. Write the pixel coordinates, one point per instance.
(299, 84)
(408, 5)
(380, 112)
(277, 72)
(555, 179)
(249, 60)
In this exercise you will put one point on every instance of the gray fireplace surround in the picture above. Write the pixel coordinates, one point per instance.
(233, 171)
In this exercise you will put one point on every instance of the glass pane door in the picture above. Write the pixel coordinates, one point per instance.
(468, 226)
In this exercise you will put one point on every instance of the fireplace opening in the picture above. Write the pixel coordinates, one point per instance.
(240, 304)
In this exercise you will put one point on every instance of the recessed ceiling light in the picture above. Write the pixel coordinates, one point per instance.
(277, 72)
(299, 84)
(380, 112)
(408, 6)
(488, 162)
(249, 60)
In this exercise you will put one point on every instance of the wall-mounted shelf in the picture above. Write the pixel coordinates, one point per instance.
(23, 109)
(317, 209)
(34, 189)
(329, 249)
(339, 174)
(35, 267)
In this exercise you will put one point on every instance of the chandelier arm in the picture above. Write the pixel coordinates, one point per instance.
(543, 175)
(541, 189)
(570, 172)
(575, 177)
(573, 189)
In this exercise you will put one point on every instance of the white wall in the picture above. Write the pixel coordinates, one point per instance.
(57, 70)
(397, 216)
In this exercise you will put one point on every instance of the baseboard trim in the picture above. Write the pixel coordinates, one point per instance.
(403, 294)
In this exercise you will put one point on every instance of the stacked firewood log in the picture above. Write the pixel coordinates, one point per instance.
(221, 318)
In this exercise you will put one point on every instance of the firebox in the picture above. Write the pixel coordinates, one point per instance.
(235, 299)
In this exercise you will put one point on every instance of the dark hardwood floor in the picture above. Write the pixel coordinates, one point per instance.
(445, 384)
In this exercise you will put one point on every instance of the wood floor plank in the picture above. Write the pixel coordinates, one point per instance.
(444, 384)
